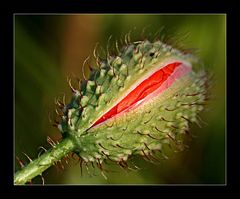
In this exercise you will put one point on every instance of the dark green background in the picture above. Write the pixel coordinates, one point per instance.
(50, 47)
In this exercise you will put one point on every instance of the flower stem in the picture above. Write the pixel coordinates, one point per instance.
(39, 165)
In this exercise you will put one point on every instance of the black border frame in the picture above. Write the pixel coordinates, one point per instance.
(61, 6)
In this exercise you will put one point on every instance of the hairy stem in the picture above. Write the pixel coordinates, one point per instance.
(36, 167)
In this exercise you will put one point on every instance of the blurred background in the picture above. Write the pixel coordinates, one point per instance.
(48, 48)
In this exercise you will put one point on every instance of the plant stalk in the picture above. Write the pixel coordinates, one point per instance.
(46, 160)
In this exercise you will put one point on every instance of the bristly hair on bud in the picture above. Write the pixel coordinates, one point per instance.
(135, 102)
